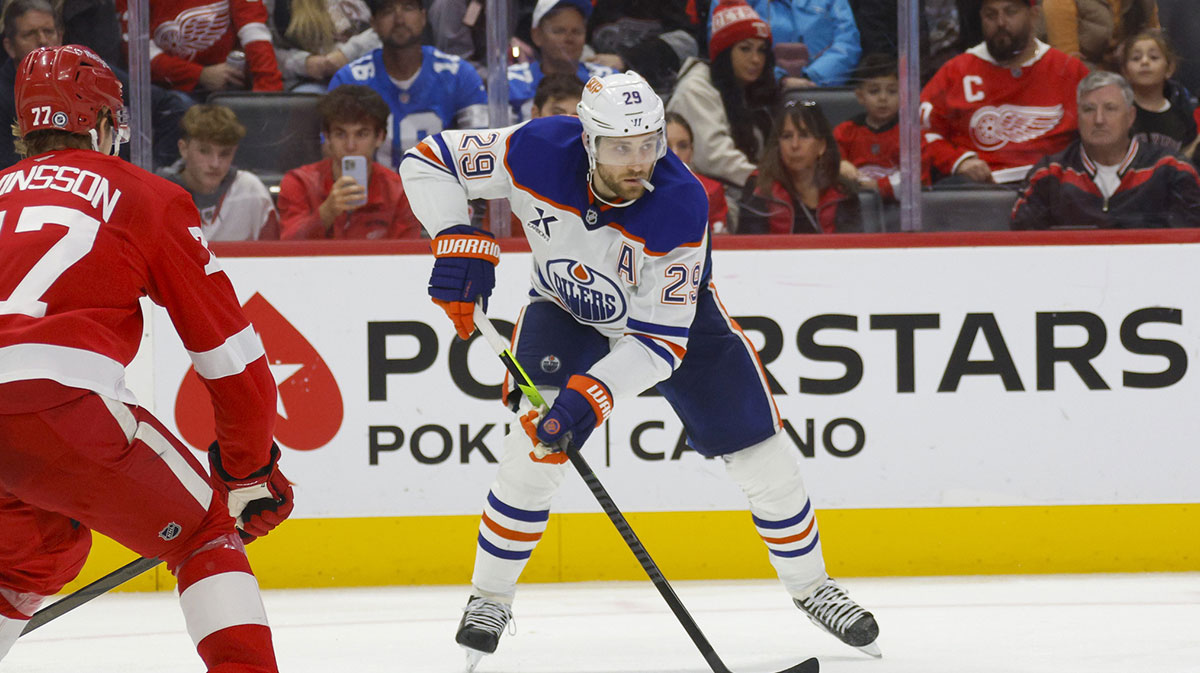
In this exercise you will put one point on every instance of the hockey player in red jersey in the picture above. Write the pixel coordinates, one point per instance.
(991, 113)
(84, 235)
(191, 40)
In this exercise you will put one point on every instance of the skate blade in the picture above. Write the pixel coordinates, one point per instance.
(871, 648)
(473, 658)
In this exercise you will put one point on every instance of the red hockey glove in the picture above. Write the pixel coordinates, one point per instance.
(258, 502)
(580, 408)
(465, 269)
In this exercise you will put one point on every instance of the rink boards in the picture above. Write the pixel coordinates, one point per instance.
(986, 403)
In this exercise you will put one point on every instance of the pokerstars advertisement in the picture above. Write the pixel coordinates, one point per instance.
(906, 377)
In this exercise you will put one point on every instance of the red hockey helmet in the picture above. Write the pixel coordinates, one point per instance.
(65, 88)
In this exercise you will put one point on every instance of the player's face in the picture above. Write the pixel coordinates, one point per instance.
(680, 142)
(799, 149)
(1146, 65)
(33, 29)
(622, 164)
(560, 36)
(880, 96)
(400, 24)
(561, 105)
(748, 58)
(345, 139)
(205, 164)
(1105, 118)
(1007, 27)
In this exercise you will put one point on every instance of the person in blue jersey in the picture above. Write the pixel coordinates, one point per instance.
(621, 300)
(426, 89)
(559, 29)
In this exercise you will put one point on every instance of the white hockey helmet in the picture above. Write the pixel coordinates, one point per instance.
(622, 105)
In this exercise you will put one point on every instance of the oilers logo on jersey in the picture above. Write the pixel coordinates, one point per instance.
(588, 294)
(551, 364)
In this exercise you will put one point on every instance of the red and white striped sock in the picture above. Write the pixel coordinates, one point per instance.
(224, 611)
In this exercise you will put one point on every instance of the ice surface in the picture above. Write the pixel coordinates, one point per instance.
(1010, 624)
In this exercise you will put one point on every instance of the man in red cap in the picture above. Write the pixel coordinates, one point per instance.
(991, 113)
(84, 236)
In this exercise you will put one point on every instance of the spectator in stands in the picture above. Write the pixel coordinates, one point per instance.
(992, 112)
(426, 89)
(870, 142)
(728, 99)
(1093, 30)
(825, 27)
(650, 38)
(1164, 111)
(679, 139)
(559, 28)
(1107, 179)
(94, 24)
(315, 38)
(557, 94)
(942, 36)
(195, 44)
(317, 201)
(460, 28)
(797, 188)
(234, 205)
(29, 24)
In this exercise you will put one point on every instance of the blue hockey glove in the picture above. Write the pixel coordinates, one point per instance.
(580, 408)
(464, 270)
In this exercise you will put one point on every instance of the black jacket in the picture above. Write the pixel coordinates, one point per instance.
(1158, 189)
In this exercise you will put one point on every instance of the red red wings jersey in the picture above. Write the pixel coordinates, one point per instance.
(1009, 117)
(186, 35)
(83, 236)
(875, 152)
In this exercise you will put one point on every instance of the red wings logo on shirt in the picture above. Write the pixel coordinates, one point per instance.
(194, 30)
(310, 403)
(993, 127)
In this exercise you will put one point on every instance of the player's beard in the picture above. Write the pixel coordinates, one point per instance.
(612, 181)
(1004, 46)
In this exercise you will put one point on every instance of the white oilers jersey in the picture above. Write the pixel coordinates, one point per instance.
(633, 273)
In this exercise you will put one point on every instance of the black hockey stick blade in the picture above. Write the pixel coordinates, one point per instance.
(101, 586)
(500, 346)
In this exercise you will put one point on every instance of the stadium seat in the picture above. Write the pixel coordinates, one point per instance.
(838, 103)
(1182, 23)
(967, 209)
(872, 211)
(283, 131)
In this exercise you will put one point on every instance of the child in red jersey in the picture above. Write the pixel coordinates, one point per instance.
(870, 142)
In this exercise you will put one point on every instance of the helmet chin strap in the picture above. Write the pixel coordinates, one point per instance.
(116, 138)
(592, 181)
(593, 178)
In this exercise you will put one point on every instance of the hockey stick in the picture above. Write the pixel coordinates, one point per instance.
(101, 586)
(501, 347)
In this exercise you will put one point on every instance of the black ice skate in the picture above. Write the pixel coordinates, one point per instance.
(831, 609)
(479, 631)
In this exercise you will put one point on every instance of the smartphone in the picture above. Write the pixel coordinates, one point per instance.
(356, 167)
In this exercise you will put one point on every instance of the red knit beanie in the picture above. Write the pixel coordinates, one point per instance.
(732, 22)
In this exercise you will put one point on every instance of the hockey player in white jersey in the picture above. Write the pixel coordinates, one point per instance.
(621, 301)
